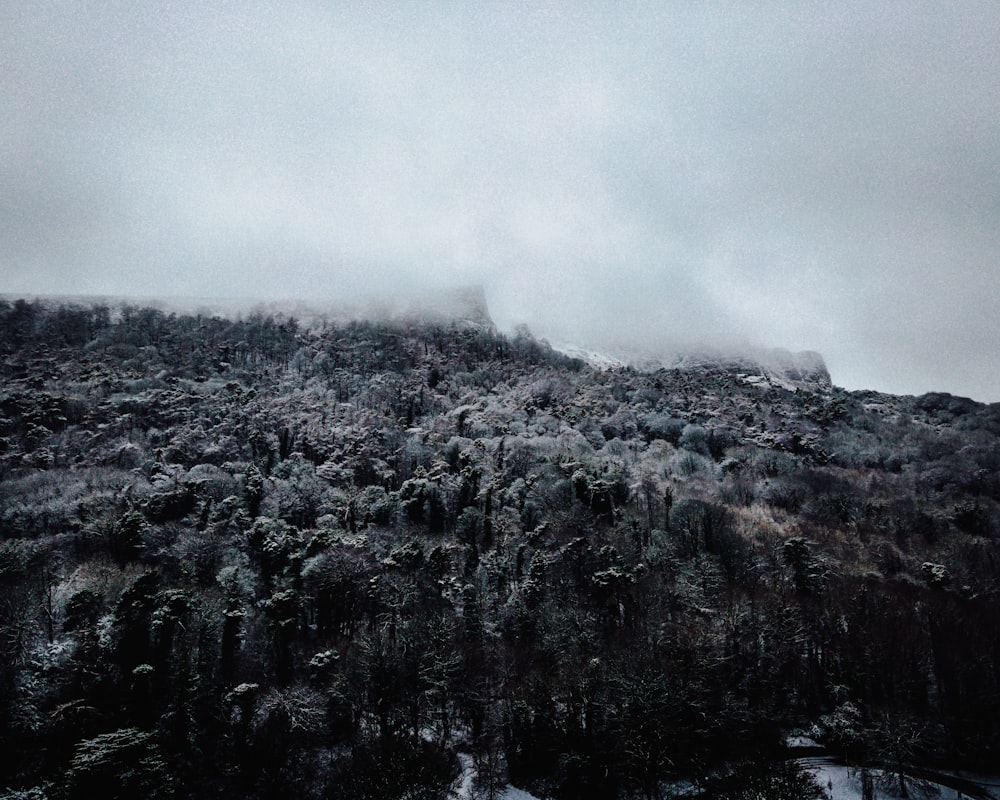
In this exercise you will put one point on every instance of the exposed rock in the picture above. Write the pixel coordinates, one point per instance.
(757, 367)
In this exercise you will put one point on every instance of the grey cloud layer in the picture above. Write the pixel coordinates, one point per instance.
(787, 174)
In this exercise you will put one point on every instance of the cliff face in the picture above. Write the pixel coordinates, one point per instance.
(465, 307)
(803, 370)
(807, 366)
(760, 367)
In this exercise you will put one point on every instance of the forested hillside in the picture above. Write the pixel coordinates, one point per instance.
(257, 559)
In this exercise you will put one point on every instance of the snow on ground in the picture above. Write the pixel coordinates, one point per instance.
(510, 793)
(840, 782)
(599, 361)
(463, 784)
(844, 783)
(463, 788)
(802, 741)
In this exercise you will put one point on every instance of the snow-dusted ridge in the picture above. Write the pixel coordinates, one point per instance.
(467, 307)
(761, 367)
(464, 307)
(600, 361)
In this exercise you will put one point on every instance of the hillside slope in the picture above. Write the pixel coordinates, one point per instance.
(252, 557)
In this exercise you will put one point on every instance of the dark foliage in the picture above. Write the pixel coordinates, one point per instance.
(252, 558)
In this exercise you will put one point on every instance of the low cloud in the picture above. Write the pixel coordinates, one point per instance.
(816, 177)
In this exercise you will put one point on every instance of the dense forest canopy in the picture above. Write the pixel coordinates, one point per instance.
(253, 558)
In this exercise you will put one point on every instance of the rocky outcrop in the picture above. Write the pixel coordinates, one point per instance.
(465, 307)
(777, 368)
(760, 367)
(805, 369)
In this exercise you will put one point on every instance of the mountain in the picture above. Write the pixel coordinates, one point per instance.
(756, 366)
(316, 556)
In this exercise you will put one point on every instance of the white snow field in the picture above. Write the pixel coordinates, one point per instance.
(839, 781)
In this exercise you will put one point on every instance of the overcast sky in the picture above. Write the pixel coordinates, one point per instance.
(807, 175)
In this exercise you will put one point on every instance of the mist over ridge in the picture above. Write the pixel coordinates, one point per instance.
(468, 306)
(256, 523)
(431, 399)
(820, 178)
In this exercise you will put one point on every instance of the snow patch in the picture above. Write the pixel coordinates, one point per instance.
(464, 786)
(844, 783)
(599, 361)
